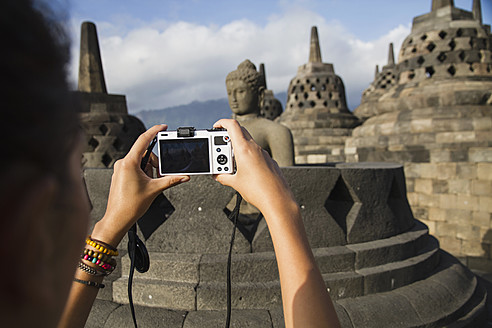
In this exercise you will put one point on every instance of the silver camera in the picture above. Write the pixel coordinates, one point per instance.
(187, 151)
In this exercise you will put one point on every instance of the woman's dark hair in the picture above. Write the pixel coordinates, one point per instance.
(38, 119)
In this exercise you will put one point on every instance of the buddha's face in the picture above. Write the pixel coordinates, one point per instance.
(242, 99)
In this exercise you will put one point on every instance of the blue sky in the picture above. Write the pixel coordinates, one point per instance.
(161, 53)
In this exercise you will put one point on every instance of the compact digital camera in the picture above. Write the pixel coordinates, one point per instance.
(188, 151)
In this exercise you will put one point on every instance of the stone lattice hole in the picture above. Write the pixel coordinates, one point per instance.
(104, 129)
(431, 46)
(106, 160)
(442, 57)
(93, 143)
(429, 71)
(452, 70)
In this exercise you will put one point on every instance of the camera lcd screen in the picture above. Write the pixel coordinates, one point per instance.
(184, 155)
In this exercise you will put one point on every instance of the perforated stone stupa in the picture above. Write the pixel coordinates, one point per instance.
(437, 119)
(110, 131)
(383, 81)
(271, 107)
(316, 110)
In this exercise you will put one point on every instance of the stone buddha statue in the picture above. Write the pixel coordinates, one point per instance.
(244, 92)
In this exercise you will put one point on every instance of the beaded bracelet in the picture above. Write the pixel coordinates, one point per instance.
(99, 256)
(89, 283)
(90, 270)
(101, 247)
(106, 266)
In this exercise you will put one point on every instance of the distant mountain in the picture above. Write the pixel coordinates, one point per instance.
(200, 114)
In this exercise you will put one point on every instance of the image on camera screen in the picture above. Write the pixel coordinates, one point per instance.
(184, 156)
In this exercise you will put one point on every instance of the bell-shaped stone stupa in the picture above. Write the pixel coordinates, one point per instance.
(383, 81)
(316, 110)
(109, 130)
(271, 107)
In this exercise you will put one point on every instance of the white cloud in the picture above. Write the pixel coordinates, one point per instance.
(158, 64)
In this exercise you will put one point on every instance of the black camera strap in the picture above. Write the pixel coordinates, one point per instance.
(233, 217)
(139, 256)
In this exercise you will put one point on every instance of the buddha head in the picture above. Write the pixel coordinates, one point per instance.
(244, 90)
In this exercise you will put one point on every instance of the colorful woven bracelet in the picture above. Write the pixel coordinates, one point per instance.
(106, 266)
(89, 283)
(90, 270)
(101, 247)
(99, 256)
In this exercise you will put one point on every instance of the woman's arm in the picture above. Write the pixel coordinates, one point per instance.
(131, 194)
(258, 179)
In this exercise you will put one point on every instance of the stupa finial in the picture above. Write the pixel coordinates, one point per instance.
(391, 55)
(91, 75)
(376, 72)
(263, 76)
(477, 10)
(314, 51)
(436, 4)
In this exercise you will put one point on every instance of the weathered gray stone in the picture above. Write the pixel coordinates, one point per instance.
(393, 249)
(322, 229)
(97, 183)
(398, 274)
(147, 317)
(100, 312)
(344, 284)
(388, 210)
(381, 310)
(257, 267)
(335, 259)
(169, 266)
(265, 295)
(239, 318)
(199, 224)
(157, 293)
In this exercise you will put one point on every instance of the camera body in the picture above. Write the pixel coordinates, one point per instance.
(187, 151)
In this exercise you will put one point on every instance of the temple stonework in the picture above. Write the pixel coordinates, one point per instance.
(375, 246)
(271, 107)
(383, 81)
(436, 118)
(316, 110)
(110, 131)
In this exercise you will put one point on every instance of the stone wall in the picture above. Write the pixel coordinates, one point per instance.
(455, 201)
(437, 121)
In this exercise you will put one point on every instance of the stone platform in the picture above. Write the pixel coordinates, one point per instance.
(380, 265)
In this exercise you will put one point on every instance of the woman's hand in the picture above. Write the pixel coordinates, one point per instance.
(258, 178)
(132, 190)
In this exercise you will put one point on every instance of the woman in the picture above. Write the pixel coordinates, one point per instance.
(45, 210)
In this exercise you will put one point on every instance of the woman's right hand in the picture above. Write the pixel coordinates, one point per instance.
(258, 177)
(132, 190)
